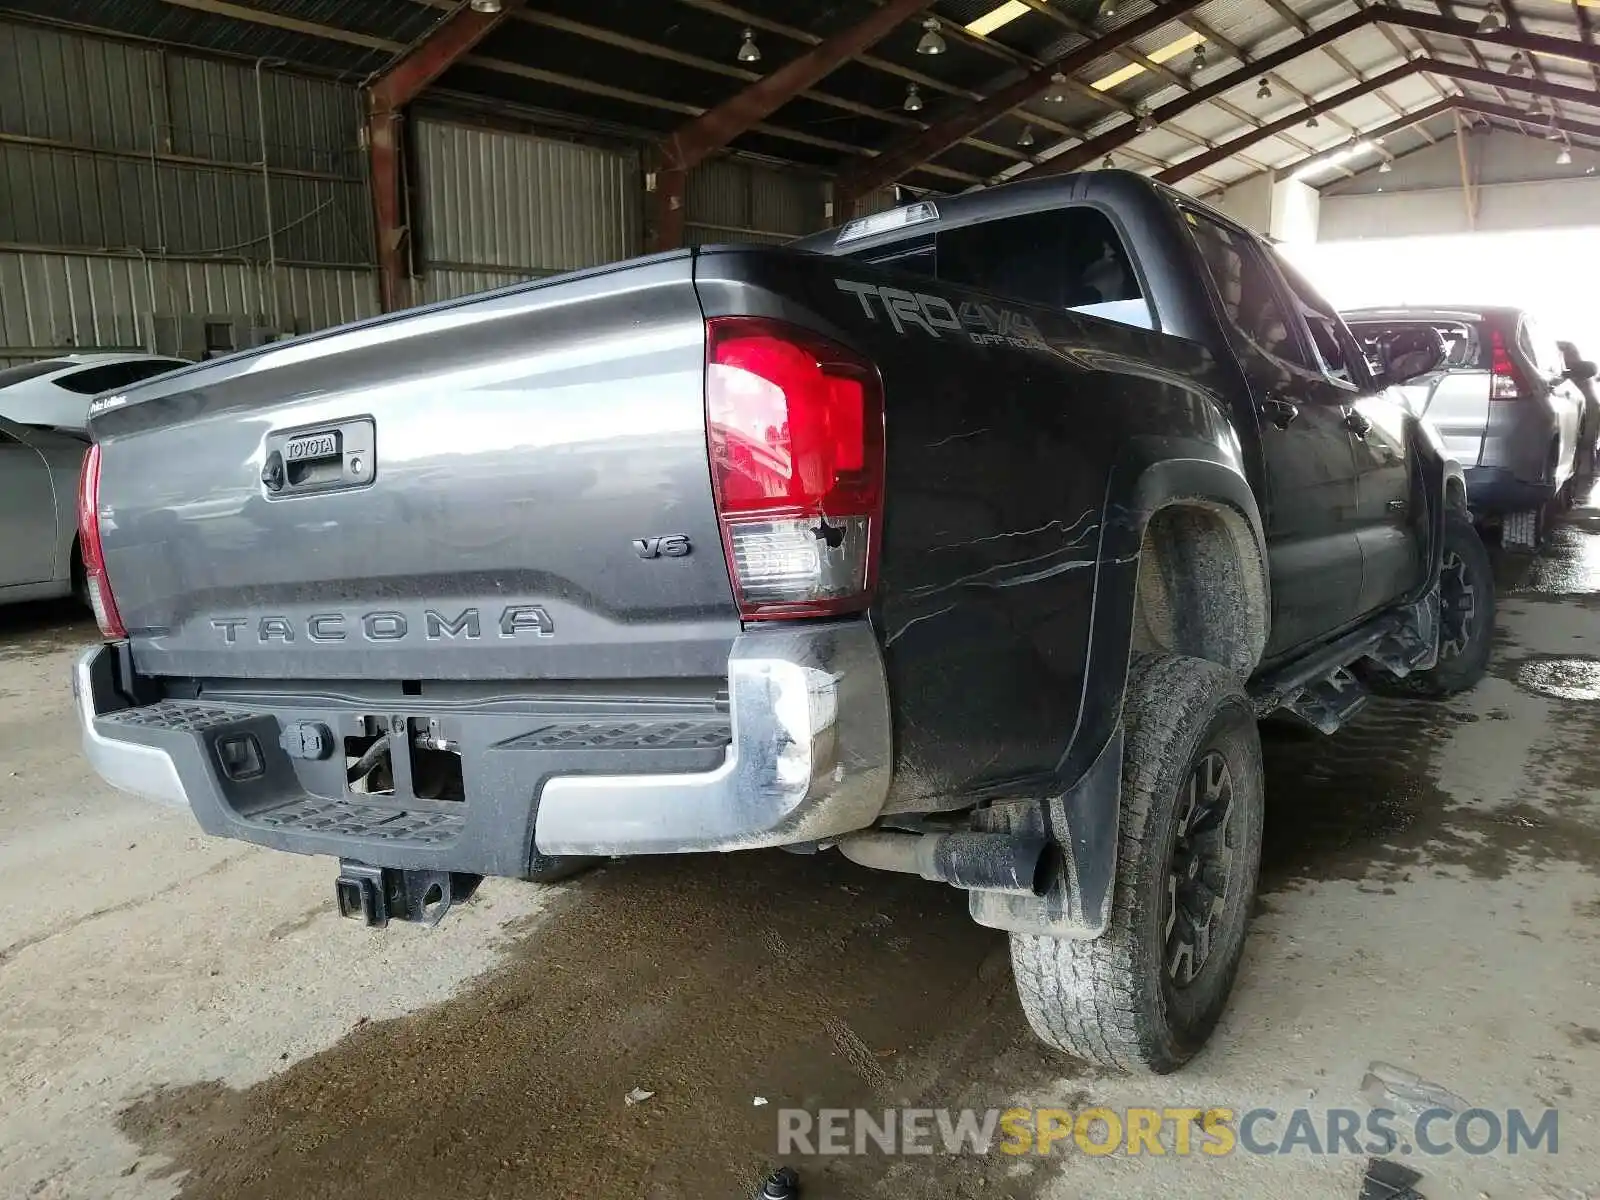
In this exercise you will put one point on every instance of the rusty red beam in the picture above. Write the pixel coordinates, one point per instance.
(917, 148)
(1210, 158)
(388, 93)
(403, 80)
(691, 143)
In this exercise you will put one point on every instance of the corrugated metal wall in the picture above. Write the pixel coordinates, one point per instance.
(57, 303)
(501, 207)
(115, 147)
(732, 201)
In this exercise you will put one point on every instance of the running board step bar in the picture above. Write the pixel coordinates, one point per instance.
(1321, 689)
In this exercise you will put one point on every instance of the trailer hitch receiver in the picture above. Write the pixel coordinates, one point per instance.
(378, 895)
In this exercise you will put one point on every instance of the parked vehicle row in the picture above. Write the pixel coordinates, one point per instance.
(1515, 409)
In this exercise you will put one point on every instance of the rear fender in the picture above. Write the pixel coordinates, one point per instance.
(1438, 485)
(1083, 818)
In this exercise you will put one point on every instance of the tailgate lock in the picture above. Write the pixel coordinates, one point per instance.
(326, 458)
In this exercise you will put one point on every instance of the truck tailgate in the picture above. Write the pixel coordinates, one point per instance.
(513, 486)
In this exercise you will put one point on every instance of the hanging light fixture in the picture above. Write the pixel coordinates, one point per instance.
(1385, 167)
(1564, 159)
(931, 41)
(913, 99)
(486, 6)
(1056, 93)
(1025, 138)
(1199, 58)
(1519, 64)
(1107, 163)
(1146, 121)
(1492, 21)
(1108, 9)
(1264, 89)
(1311, 121)
(748, 50)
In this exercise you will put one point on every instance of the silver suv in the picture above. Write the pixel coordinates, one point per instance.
(1505, 402)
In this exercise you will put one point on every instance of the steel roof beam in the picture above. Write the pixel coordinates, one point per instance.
(1227, 149)
(1116, 137)
(1457, 104)
(692, 143)
(388, 93)
(913, 151)
(1398, 125)
(402, 81)
(1457, 71)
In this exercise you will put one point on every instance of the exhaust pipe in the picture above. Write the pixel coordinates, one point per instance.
(980, 862)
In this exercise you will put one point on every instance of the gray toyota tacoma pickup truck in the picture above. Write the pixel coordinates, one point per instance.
(970, 540)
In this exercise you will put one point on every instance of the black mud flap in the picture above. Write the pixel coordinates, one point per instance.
(378, 895)
(1083, 825)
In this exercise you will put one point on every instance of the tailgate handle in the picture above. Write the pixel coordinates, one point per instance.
(321, 459)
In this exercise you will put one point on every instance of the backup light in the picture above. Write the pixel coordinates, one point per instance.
(794, 423)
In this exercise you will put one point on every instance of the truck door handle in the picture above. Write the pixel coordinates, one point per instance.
(1279, 411)
(1357, 424)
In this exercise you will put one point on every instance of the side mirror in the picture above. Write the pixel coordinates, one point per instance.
(1410, 352)
(1582, 371)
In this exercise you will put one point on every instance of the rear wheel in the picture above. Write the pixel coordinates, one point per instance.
(1147, 994)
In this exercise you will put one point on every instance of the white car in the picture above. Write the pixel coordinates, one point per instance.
(57, 391)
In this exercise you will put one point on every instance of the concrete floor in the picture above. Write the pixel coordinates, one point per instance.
(187, 1016)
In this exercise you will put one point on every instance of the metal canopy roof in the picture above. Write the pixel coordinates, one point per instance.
(1407, 72)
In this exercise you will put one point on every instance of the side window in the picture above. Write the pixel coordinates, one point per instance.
(1338, 355)
(1250, 297)
(94, 380)
(1064, 258)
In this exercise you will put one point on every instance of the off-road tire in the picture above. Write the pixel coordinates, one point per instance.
(1466, 622)
(553, 868)
(1111, 1000)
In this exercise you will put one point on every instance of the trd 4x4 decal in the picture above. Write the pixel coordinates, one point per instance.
(983, 323)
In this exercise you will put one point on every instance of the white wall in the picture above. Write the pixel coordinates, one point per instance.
(1248, 202)
(1519, 186)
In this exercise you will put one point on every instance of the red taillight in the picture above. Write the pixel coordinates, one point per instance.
(795, 425)
(1505, 381)
(94, 560)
